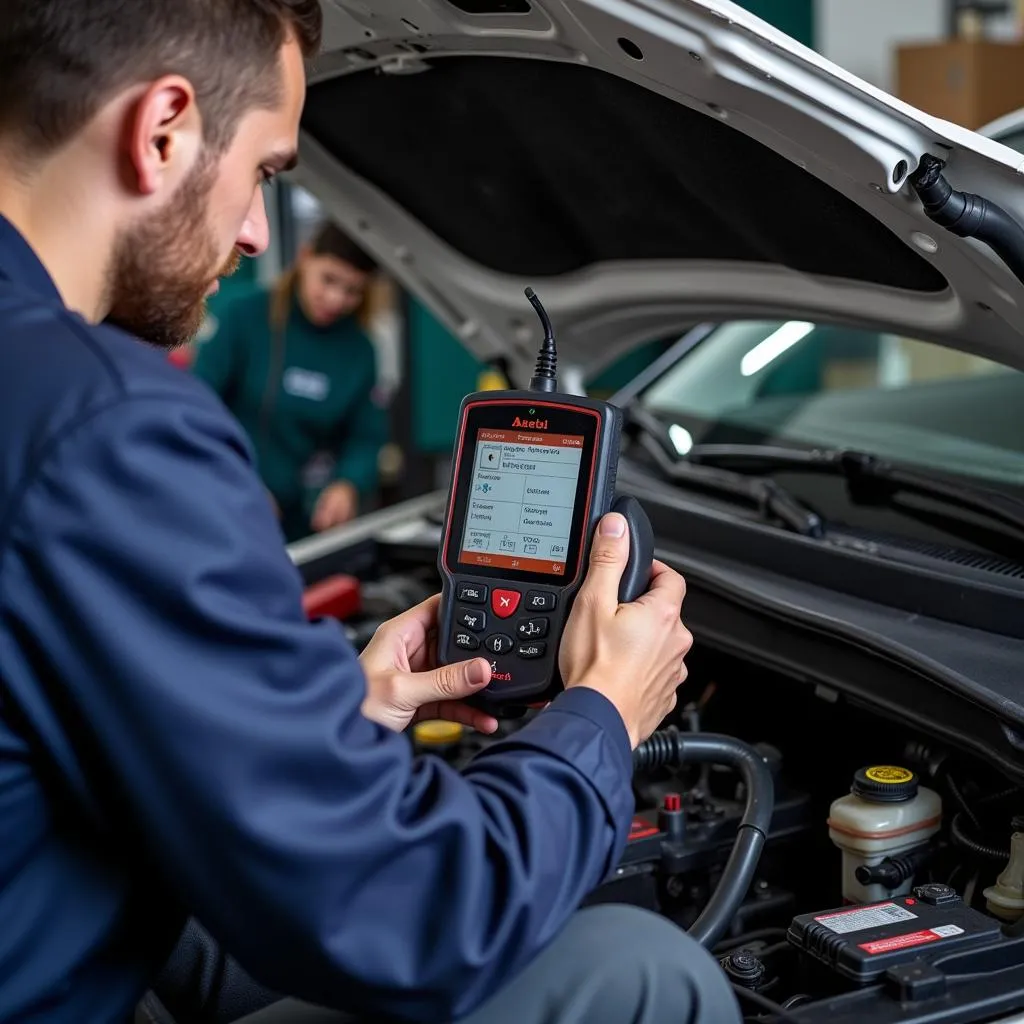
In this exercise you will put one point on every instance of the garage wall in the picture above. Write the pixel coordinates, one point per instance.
(861, 35)
(794, 17)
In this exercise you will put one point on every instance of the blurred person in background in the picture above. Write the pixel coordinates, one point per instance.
(296, 368)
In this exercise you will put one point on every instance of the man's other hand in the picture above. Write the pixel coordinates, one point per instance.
(404, 683)
(337, 504)
(632, 653)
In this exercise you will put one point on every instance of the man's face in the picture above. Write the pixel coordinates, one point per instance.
(165, 266)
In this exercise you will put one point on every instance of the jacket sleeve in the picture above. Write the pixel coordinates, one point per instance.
(362, 435)
(156, 599)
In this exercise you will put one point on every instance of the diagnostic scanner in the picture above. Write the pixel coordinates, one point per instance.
(533, 473)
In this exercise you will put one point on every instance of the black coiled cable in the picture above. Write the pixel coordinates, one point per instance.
(971, 845)
(958, 829)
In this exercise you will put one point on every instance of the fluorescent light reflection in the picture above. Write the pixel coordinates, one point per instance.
(681, 438)
(774, 345)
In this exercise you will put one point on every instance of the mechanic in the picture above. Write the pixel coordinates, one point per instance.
(297, 371)
(175, 736)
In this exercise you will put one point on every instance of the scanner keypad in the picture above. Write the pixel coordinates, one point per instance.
(512, 627)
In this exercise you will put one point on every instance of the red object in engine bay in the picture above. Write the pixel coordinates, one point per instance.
(337, 597)
(640, 828)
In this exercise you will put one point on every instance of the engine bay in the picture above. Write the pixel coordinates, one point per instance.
(888, 873)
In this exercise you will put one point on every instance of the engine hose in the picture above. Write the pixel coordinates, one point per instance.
(794, 1001)
(968, 215)
(663, 749)
(958, 797)
(670, 747)
(970, 845)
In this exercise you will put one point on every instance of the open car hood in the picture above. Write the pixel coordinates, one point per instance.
(643, 164)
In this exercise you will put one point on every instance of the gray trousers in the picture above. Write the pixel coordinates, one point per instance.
(610, 965)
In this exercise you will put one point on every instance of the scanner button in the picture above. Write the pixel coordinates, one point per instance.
(531, 650)
(540, 601)
(499, 643)
(472, 619)
(466, 641)
(472, 593)
(532, 629)
(505, 602)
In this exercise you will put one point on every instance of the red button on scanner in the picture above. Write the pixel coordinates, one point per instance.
(504, 602)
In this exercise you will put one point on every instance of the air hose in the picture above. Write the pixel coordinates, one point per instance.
(672, 748)
(959, 835)
(969, 215)
(958, 831)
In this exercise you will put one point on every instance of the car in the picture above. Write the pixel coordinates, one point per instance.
(834, 457)
(1008, 129)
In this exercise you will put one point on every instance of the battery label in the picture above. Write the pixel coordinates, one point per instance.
(877, 916)
(640, 829)
(912, 939)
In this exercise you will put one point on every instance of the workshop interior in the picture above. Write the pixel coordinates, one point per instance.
(757, 271)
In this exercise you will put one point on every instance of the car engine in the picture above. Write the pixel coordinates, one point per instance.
(888, 873)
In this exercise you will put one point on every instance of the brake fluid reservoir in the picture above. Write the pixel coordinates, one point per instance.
(886, 814)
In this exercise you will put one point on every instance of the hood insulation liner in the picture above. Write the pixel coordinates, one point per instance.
(537, 168)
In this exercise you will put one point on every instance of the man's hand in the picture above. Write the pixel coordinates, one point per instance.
(404, 684)
(631, 653)
(337, 504)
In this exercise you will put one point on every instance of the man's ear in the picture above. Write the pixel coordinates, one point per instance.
(164, 135)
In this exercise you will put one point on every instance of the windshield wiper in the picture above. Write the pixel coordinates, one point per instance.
(870, 479)
(771, 500)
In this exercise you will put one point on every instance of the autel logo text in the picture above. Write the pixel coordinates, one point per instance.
(534, 424)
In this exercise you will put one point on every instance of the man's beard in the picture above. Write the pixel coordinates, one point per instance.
(161, 269)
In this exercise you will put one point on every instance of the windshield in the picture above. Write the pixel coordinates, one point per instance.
(812, 384)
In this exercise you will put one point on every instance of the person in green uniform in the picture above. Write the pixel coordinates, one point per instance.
(298, 371)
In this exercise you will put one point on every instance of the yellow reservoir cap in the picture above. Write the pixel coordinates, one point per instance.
(492, 380)
(889, 774)
(885, 784)
(437, 733)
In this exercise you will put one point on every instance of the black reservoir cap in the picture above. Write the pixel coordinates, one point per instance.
(937, 895)
(885, 784)
(744, 968)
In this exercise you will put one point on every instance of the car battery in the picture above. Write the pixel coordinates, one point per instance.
(337, 597)
(862, 943)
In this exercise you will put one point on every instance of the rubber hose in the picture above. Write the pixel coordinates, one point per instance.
(662, 749)
(958, 798)
(671, 747)
(796, 1000)
(718, 912)
(965, 842)
(969, 216)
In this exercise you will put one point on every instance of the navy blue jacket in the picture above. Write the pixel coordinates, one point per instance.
(176, 737)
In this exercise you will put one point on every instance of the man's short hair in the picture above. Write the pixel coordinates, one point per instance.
(61, 60)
